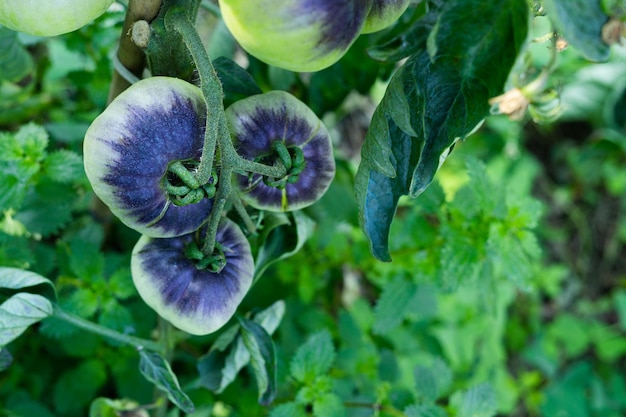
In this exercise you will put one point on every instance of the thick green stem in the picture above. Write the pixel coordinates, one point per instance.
(106, 332)
(210, 85)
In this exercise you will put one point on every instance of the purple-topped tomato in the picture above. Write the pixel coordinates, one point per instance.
(277, 128)
(135, 149)
(50, 17)
(298, 35)
(195, 292)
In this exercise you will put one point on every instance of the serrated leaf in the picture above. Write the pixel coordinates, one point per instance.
(121, 284)
(432, 381)
(33, 140)
(580, 22)
(263, 358)
(508, 253)
(328, 405)
(64, 166)
(437, 97)
(283, 241)
(115, 316)
(460, 260)
(313, 358)
(425, 411)
(83, 302)
(86, 260)
(393, 304)
(76, 387)
(15, 61)
(5, 359)
(46, 208)
(290, 409)
(478, 401)
(158, 371)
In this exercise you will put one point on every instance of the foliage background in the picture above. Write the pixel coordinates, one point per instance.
(506, 294)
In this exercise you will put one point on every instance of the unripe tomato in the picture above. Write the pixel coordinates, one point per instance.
(196, 300)
(263, 126)
(298, 35)
(383, 14)
(50, 17)
(130, 148)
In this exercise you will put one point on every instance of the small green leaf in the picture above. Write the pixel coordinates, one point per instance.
(15, 61)
(158, 371)
(237, 83)
(115, 316)
(263, 358)
(432, 381)
(47, 207)
(425, 411)
(33, 140)
(314, 358)
(290, 409)
(328, 405)
(580, 23)
(478, 401)
(393, 304)
(86, 260)
(64, 166)
(106, 407)
(121, 284)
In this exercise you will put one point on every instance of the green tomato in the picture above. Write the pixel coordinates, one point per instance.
(298, 35)
(383, 14)
(50, 17)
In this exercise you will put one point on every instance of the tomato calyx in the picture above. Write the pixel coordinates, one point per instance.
(292, 158)
(214, 262)
(182, 186)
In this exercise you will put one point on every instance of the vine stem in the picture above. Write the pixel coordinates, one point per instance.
(210, 85)
(91, 327)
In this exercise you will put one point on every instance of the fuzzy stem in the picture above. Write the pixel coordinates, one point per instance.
(91, 327)
(210, 85)
(243, 213)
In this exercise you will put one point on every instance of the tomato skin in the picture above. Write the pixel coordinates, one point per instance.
(50, 17)
(298, 35)
(383, 14)
(258, 121)
(196, 301)
(129, 147)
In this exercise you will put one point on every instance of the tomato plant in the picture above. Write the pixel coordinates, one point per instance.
(375, 207)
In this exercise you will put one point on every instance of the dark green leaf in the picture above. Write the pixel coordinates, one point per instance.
(76, 387)
(393, 304)
(283, 241)
(236, 82)
(5, 359)
(158, 371)
(263, 358)
(439, 96)
(15, 61)
(580, 22)
(314, 358)
(46, 207)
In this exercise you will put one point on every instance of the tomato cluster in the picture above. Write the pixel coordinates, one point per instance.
(141, 156)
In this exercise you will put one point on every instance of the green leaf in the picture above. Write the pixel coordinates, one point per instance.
(237, 83)
(290, 409)
(438, 96)
(283, 241)
(15, 61)
(76, 387)
(393, 304)
(328, 405)
(22, 309)
(158, 371)
(512, 254)
(33, 140)
(86, 259)
(115, 316)
(619, 299)
(46, 208)
(106, 407)
(478, 401)
(313, 358)
(425, 411)
(229, 355)
(64, 166)
(5, 359)
(263, 358)
(580, 22)
(431, 382)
